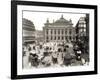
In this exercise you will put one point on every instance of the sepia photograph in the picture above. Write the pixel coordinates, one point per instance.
(53, 39)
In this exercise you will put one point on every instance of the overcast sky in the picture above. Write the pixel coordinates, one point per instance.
(39, 18)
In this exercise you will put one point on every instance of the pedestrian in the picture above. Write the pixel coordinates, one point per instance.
(67, 56)
(60, 58)
(54, 57)
(34, 60)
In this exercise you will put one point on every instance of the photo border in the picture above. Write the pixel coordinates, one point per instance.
(14, 39)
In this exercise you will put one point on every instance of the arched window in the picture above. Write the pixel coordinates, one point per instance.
(66, 32)
(58, 37)
(66, 38)
(70, 37)
(51, 31)
(62, 31)
(51, 37)
(47, 31)
(55, 31)
(62, 37)
(70, 31)
(47, 37)
(55, 38)
(58, 31)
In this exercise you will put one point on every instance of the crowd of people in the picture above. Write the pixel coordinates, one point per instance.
(51, 54)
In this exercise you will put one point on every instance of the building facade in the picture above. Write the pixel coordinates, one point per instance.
(82, 32)
(61, 30)
(28, 31)
(87, 25)
(82, 27)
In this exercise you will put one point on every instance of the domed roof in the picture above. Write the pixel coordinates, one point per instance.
(62, 21)
(28, 24)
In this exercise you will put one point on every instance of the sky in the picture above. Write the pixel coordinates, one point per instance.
(39, 18)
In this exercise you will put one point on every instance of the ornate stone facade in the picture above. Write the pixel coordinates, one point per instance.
(61, 30)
